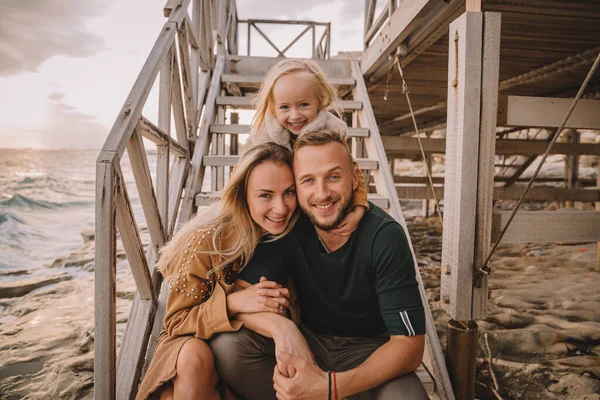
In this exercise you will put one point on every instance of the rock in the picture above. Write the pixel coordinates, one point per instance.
(20, 288)
(88, 235)
(573, 385)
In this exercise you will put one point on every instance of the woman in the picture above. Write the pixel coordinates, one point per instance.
(201, 263)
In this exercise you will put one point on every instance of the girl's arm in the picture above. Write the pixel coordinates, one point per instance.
(360, 206)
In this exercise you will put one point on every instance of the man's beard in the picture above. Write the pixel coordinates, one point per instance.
(344, 210)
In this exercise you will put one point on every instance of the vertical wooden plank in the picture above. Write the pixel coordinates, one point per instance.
(105, 283)
(598, 208)
(487, 150)
(132, 242)
(248, 40)
(178, 111)
(426, 167)
(462, 148)
(234, 147)
(473, 5)
(186, 79)
(179, 171)
(434, 358)
(221, 26)
(220, 171)
(164, 123)
(196, 174)
(143, 182)
(572, 166)
(157, 326)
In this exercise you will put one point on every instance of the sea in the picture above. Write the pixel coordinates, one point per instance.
(47, 202)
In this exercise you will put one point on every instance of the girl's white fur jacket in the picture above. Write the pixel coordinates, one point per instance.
(274, 132)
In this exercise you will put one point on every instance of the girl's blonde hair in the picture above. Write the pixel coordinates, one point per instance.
(235, 233)
(324, 91)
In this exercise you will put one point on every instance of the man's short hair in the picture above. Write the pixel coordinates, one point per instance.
(321, 137)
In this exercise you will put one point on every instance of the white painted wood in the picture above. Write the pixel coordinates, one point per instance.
(434, 358)
(105, 283)
(179, 117)
(157, 136)
(398, 145)
(157, 326)
(256, 66)
(536, 193)
(462, 149)
(187, 81)
(246, 102)
(196, 174)
(487, 140)
(548, 226)
(546, 112)
(162, 184)
(254, 82)
(404, 19)
(381, 18)
(177, 179)
(164, 127)
(245, 129)
(132, 242)
(132, 350)
(143, 182)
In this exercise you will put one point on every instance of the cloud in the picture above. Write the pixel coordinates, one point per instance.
(32, 32)
(64, 126)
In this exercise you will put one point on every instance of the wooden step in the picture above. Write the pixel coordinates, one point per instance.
(245, 102)
(245, 129)
(254, 81)
(229, 161)
(205, 199)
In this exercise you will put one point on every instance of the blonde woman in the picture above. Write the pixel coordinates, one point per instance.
(200, 265)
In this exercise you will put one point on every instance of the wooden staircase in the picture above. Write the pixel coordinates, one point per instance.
(233, 86)
(196, 105)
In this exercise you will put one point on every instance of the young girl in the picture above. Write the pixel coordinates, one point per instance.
(292, 101)
(201, 263)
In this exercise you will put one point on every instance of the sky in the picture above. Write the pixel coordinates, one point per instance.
(68, 65)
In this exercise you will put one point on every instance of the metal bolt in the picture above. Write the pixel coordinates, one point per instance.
(446, 299)
(446, 269)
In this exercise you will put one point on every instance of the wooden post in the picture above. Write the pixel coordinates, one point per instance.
(473, 64)
(105, 282)
(426, 167)
(234, 146)
(598, 208)
(572, 166)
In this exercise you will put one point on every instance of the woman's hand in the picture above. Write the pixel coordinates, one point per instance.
(350, 222)
(289, 339)
(265, 296)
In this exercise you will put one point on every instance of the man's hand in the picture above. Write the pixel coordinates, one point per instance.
(310, 382)
(289, 340)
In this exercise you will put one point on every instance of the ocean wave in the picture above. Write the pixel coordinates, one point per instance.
(21, 201)
(6, 217)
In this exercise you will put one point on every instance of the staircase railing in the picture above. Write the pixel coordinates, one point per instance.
(185, 54)
(320, 48)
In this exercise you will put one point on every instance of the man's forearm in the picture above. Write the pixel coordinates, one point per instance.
(397, 357)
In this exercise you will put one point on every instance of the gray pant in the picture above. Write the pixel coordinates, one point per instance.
(245, 360)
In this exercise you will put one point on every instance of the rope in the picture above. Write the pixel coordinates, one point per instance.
(484, 269)
(412, 114)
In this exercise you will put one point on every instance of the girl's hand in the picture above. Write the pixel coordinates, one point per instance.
(265, 296)
(350, 222)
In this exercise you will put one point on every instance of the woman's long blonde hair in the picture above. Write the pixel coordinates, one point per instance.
(325, 93)
(236, 235)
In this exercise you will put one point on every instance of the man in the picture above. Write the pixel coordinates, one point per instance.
(362, 315)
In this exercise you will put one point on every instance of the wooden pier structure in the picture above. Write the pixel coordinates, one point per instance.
(486, 72)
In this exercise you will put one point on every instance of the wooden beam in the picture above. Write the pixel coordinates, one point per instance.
(545, 112)
(536, 193)
(398, 145)
(157, 136)
(462, 142)
(548, 226)
(105, 283)
(254, 81)
(381, 18)
(235, 129)
(231, 160)
(487, 141)
(404, 19)
(473, 5)
(246, 102)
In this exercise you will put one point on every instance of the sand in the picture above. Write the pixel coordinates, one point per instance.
(543, 324)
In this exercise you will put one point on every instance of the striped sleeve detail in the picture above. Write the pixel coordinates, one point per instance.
(406, 320)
